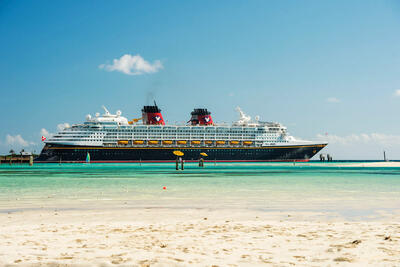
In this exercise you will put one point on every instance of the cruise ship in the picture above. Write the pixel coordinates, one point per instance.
(114, 138)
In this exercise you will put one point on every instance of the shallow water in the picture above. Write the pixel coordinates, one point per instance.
(312, 187)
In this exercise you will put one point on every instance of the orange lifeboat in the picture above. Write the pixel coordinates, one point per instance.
(167, 142)
(247, 143)
(195, 142)
(153, 142)
(234, 142)
(123, 142)
(182, 142)
(138, 142)
(220, 142)
(208, 142)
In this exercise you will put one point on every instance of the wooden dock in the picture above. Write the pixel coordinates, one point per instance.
(16, 159)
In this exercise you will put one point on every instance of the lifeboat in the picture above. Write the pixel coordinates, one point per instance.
(167, 142)
(153, 142)
(208, 142)
(138, 142)
(234, 142)
(195, 142)
(123, 142)
(220, 142)
(247, 143)
(182, 142)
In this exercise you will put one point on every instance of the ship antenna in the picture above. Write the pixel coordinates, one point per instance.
(105, 110)
(155, 104)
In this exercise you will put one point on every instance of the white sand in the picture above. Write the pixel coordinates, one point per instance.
(182, 237)
(372, 164)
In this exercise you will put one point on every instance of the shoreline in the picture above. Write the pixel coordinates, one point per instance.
(211, 164)
(305, 214)
(373, 164)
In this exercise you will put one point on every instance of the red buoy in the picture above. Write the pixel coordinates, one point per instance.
(164, 188)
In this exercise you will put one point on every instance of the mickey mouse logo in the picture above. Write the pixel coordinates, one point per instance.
(207, 119)
(157, 118)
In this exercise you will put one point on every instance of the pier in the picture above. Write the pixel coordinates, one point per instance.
(17, 159)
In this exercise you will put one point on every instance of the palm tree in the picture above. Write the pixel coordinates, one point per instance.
(12, 152)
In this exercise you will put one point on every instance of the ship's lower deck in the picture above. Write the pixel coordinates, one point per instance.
(61, 153)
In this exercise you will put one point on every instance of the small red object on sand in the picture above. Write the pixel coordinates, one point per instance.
(164, 188)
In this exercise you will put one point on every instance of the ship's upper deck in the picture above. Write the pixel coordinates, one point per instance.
(114, 129)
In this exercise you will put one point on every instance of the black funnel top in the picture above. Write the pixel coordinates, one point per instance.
(200, 111)
(151, 109)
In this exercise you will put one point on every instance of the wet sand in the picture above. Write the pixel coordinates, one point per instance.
(200, 237)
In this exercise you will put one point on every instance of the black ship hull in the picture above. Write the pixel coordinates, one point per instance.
(63, 153)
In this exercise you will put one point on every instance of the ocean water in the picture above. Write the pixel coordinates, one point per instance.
(315, 187)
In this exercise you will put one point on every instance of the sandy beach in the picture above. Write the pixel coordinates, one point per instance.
(379, 164)
(199, 237)
(223, 215)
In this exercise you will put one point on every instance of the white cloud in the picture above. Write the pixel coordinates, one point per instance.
(44, 132)
(397, 92)
(132, 65)
(362, 146)
(368, 139)
(62, 126)
(332, 100)
(17, 140)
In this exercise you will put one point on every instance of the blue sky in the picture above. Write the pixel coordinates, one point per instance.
(316, 66)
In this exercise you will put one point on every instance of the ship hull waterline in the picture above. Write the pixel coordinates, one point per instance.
(78, 154)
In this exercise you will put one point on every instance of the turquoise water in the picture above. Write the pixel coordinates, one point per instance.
(316, 187)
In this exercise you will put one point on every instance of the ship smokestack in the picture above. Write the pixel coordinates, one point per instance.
(152, 115)
(201, 116)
